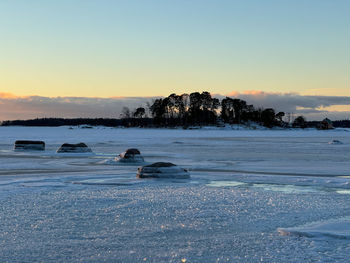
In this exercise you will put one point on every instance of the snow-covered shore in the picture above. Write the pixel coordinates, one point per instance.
(245, 187)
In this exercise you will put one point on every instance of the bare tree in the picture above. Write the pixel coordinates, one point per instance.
(125, 114)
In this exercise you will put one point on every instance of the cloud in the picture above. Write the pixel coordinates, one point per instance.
(66, 107)
(313, 107)
(15, 107)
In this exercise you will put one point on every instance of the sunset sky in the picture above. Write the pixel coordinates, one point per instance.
(147, 48)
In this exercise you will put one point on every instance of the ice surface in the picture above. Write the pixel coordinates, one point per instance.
(245, 185)
(225, 183)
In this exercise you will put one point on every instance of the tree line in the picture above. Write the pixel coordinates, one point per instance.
(203, 109)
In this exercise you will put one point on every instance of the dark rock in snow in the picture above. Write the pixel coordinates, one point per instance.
(335, 142)
(160, 164)
(29, 145)
(74, 148)
(130, 156)
(162, 170)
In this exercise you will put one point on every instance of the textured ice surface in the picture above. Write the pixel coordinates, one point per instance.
(244, 187)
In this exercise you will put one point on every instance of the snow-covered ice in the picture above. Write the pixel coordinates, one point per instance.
(253, 196)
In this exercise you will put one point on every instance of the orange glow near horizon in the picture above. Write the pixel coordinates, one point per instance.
(258, 93)
(327, 92)
(5, 95)
(337, 108)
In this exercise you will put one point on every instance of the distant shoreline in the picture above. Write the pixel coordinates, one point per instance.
(146, 123)
(191, 110)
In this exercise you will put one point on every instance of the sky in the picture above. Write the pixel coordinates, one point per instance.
(109, 49)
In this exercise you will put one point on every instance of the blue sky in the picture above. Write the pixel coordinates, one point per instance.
(150, 48)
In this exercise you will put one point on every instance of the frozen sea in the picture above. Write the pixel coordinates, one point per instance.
(253, 196)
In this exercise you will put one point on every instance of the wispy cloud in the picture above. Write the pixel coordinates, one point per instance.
(313, 107)
(68, 107)
(16, 107)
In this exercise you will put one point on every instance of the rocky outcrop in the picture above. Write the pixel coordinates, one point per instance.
(335, 142)
(162, 170)
(130, 156)
(29, 145)
(74, 148)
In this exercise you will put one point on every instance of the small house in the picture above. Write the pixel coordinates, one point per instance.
(326, 124)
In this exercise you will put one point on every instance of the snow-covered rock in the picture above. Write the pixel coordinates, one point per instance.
(162, 170)
(74, 148)
(29, 145)
(334, 228)
(335, 142)
(130, 156)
